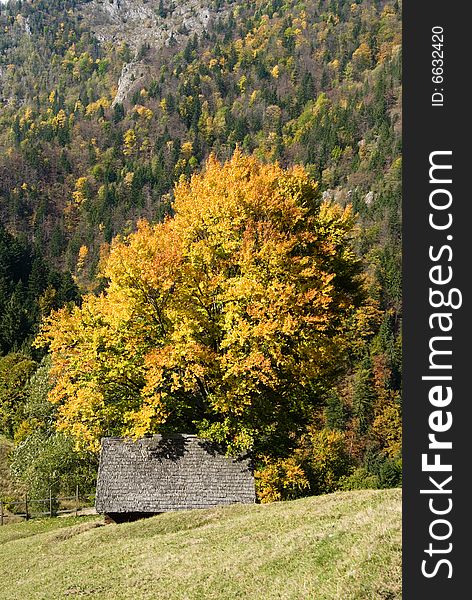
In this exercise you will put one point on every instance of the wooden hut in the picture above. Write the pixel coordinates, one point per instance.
(172, 472)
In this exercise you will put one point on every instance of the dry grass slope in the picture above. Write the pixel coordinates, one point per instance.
(342, 546)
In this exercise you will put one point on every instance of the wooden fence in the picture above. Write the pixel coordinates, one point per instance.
(50, 506)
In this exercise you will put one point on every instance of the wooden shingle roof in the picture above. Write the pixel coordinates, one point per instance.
(172, 472)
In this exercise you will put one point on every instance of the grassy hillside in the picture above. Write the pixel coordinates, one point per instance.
(342, 546)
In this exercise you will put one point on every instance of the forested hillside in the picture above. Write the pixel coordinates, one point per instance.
(105, 106)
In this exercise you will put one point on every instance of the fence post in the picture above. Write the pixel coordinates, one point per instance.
(76, 499)
(1, 512)
(50, 502)
(26, 507)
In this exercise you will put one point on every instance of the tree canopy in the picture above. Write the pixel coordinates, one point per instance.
(227, 319)
(83, 158)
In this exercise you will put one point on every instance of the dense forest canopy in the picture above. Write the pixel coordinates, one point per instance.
(231, 317)
(106, 106)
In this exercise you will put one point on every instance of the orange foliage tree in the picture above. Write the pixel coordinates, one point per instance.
(228, 319)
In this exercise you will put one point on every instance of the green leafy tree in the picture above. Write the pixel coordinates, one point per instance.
(15, 370)
(44, 460)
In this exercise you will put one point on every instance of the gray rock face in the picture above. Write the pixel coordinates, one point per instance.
(164, 473)
(131, 75)
(138, 23)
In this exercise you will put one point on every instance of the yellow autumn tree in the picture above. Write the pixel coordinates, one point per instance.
(129, 142)
(227, 320)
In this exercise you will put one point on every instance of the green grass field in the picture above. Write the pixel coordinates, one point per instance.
(342, 546)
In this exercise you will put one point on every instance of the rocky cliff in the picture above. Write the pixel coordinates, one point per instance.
(146, 23)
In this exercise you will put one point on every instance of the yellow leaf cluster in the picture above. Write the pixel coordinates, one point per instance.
(143, 112)
(280, 479)
(129, 142)
(83, 253)
(221, 316)
(94, 107)
(80, 192)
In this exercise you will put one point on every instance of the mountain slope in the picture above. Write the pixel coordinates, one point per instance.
(106, 104)
(344, 545)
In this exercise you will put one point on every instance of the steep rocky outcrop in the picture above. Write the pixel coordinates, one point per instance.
(132, 74)
(138, 22)
(141, 24)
